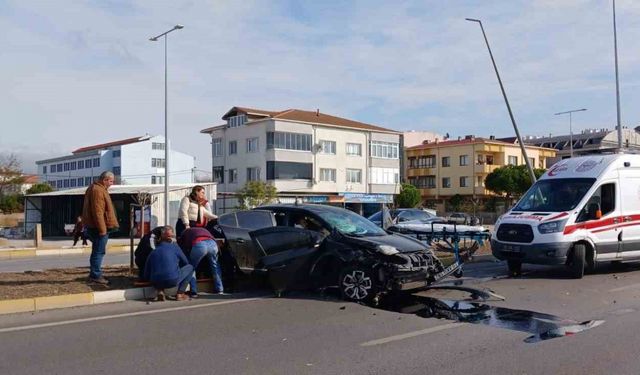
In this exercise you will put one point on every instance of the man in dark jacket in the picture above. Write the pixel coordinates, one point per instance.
(146, 245)
(167, 267)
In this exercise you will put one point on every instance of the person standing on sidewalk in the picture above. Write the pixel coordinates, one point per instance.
(199, 244)
(167, 267)
(99, 215)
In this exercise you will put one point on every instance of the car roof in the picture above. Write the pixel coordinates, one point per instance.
(317, 208)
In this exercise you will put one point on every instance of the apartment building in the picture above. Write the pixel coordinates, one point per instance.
(442, 169)
(310, 155)
(134, 161)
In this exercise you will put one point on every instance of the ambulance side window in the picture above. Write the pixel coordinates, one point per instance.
(603, 199)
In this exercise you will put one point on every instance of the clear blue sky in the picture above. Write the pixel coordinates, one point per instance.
(76, 73)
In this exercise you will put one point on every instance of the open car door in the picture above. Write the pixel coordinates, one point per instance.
(236, 227)
(288, 254)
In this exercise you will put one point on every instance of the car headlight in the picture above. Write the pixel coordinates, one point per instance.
(387, 250)
(552, 226)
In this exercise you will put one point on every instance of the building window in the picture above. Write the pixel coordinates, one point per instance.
(88, 163)
(446, 182)
(235, 121)
(413, 162)
(65, 183)
(354, 176)
(328, 147)
(446, 161)
(53, 168)
(489, 159)
(218, 175)
(96, 162)
(80, 181)
(253, 174)
(66, 167)
(512, 160)
(233, 176)
(233, 147)
(541, 162)
(480, 182)
(80, 164)
(59, 184)
(154, 146)
(44, 170)
(423, 182)
(354, 149)
(289, 141)
(72, 182)
(384, 150)
(285, 170)
(533, 162)
(157, 180)
(116, 171)
(115, 153)
(87, 181)
(384, 176)
(72, 166)
(252, 145)
(327, 174)
(427, 161)
(216, 146)
(157, 163)
(464, 160)
(464, 181)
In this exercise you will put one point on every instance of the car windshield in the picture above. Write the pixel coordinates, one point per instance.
(555, 195)
(351, 223)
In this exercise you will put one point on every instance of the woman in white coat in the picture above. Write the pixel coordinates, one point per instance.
(195, 210)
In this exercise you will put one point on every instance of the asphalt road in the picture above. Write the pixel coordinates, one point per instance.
(63, 261)
(307, 333)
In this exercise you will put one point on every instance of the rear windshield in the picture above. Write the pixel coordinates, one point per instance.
(554, 195)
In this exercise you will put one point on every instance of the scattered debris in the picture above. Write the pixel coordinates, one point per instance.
(343, 307)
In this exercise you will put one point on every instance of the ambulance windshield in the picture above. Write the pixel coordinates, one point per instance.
(555, 195)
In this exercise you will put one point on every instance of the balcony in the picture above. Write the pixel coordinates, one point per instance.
(421, 171)
(486, 168)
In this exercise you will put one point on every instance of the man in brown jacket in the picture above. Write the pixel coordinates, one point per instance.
(99, 215)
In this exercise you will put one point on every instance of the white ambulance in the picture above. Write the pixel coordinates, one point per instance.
(582, 211)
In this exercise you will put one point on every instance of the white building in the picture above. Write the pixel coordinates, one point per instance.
(134, 161)
(318, 157)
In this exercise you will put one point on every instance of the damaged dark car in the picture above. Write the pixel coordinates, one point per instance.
(314, 246)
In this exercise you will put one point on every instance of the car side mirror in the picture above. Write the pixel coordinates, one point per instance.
(594, 211)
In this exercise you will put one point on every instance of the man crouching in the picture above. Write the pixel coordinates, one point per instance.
(167, 266)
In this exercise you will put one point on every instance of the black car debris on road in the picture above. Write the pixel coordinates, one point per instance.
(315, 246)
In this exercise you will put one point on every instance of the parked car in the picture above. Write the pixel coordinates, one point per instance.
(314, 246)
(400, 215)
(463, 218)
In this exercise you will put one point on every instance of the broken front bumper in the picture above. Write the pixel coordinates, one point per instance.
(418, 270)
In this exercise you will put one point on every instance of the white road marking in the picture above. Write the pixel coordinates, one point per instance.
(623, 288)
(138, 313)
(412, 334)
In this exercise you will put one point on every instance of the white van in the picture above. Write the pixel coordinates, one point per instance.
(582, 211)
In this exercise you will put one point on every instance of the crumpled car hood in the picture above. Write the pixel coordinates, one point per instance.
(402, 243)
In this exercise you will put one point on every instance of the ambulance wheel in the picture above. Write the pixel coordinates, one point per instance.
(515, 268)
(577, 265)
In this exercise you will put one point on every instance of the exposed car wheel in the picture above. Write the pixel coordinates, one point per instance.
(357, 284)
(515, 268)
(576, 267)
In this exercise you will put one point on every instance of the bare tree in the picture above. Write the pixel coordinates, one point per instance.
(10, 174)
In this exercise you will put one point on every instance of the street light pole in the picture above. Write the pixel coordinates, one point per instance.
(504, 94)
(615, 51)
(166, 127)
(570, 129)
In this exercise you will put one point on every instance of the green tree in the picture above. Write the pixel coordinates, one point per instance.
(409, 196)
(510, 181)
(455, 202)
(256, 193)
(40, 187)
(11, 203)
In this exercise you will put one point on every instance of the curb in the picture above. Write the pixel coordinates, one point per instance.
(33, 252)
(36, 304)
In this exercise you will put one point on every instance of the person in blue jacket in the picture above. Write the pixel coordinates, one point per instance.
(167, 267)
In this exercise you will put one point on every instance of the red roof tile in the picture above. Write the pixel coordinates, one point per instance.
(102, 146)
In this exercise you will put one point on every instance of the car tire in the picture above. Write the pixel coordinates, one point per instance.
(577, 265)
(357, 284)
(515, 268)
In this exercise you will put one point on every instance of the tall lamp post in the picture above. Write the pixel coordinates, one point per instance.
(570, 128)
(504, 94)
(166, 128)
(615, 51)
